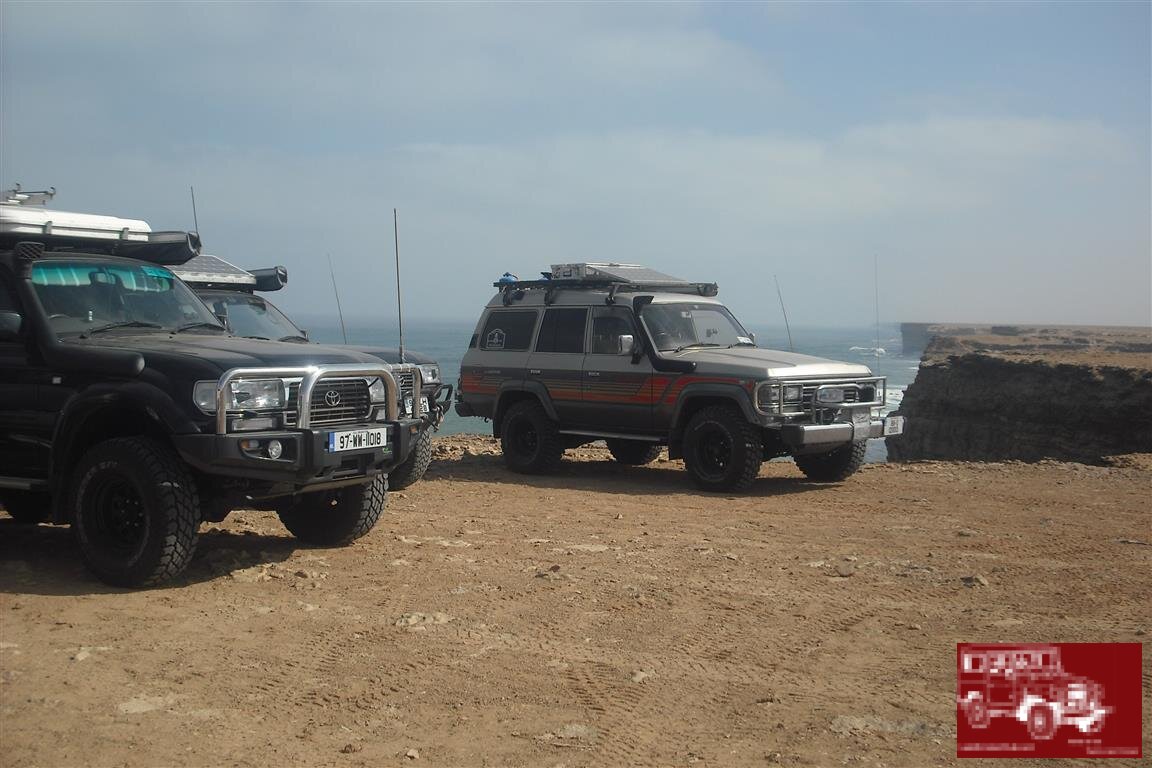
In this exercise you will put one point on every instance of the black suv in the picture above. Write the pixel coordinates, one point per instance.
(231, 293)
(639, 359)
(128, 411)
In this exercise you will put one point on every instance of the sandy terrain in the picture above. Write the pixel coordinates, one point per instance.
(605, 616)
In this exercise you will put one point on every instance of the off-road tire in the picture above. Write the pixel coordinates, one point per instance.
(530, 441)
(337, 517)
(26, 507)
(135, 511)
(834, 466)
(1042, 722)
(413, 467)
(722, 451)
(634, 453)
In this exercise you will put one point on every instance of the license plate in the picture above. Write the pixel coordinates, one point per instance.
(893, 425)
(408, 405)
(357, 440)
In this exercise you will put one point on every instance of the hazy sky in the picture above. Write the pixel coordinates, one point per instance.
(994, 157)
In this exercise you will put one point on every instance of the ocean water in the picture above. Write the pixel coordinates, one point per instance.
(447, 341)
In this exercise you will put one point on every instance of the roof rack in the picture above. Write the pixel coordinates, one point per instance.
(208, 271)
(608, 276)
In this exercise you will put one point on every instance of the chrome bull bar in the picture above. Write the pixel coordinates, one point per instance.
(309, 377)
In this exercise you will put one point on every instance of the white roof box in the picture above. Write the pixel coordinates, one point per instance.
(16, 219)
(611, 271)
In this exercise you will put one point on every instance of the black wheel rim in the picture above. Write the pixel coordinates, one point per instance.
(524, 438)
(713, 451)
(115, 520)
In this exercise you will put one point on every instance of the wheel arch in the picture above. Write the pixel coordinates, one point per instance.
(107, 412)
(695, 398)
(509, 396)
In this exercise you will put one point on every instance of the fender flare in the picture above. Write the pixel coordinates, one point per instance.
(732, 392)
(534, 388)
(138, 397)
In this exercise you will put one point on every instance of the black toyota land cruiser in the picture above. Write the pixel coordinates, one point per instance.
(128, 411)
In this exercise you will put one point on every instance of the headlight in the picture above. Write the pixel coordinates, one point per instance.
(377, 392)
(430, 373)
(252, 395)
(825, 395)
(769, 393)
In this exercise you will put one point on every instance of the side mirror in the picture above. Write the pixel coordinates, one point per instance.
(752, 336)
(625, 344)
(304, 332)
(10, 325)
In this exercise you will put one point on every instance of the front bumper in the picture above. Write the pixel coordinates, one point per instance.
(305, 461)
(827, 435)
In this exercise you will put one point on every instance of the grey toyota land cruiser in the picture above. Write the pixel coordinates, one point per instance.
(625, 354)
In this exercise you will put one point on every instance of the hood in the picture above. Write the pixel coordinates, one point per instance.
(758, 362)
(392, 355)
(213, 354)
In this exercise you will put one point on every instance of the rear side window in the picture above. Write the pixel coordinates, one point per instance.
(562, 330)
(508, 329)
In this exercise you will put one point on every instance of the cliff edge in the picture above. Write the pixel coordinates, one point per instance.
(1070, 394)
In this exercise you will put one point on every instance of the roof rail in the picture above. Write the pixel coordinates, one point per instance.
(513, 291)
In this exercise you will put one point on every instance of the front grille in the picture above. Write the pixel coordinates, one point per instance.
(353, 404)
(407, 382)
(855, 391)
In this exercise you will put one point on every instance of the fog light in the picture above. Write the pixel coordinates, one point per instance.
(275, 449)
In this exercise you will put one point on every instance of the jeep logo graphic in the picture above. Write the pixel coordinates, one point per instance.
(332, 398)
(1048, 700)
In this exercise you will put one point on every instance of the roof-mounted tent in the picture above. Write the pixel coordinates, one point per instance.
(24, 219)
(610, 276)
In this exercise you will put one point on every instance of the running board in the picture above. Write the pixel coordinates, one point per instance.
(22, 484)
(609, 435)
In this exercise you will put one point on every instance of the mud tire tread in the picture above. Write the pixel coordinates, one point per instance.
(834, 466)
(174, 520)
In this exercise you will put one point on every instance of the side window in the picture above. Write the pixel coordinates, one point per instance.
(508, 330)
(563, 330)
(608, 324)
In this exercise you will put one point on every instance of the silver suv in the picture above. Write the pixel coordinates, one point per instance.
(625, 354)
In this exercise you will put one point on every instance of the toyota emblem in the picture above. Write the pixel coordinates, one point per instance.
(332, 398)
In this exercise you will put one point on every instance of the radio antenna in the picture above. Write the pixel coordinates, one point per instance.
(785, 312)
(876, 285)
(399, 306)
(335, 290)
(195, 220)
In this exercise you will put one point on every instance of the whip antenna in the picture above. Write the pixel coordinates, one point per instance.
(195, 220)
(336, 291)
(876, 284)
(399, 306)
(785, 313)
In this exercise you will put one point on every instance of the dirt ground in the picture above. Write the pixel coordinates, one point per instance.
(605, 616)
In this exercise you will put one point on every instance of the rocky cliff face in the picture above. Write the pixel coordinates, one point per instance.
(1076, 398)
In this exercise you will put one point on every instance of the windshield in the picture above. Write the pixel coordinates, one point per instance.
(82, 296)
(252, 316)
(678, 326)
